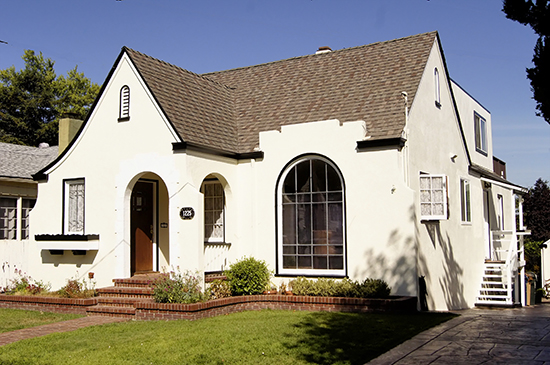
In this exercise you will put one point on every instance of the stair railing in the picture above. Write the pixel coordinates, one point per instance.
(502, 239)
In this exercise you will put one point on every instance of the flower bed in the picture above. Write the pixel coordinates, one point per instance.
(46, 304)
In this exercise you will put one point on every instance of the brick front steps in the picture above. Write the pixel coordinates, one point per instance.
(132, 298)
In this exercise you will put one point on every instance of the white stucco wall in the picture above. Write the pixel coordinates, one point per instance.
(450, 253)
(467, 107)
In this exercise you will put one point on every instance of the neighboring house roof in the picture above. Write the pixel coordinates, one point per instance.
(22, 162)
(226, 110)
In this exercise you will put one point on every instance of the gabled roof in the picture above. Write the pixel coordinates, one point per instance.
(226, 110)
(21, 162)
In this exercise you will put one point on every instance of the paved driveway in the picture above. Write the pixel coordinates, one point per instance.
(480, 336)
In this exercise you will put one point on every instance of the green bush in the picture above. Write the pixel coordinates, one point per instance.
(176, 287)
(369, 288)
(219, 289)
(248, 277)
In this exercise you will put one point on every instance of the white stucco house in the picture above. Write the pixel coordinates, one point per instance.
(362, 162)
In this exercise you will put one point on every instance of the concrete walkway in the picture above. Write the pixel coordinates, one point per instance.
(65, 326)
(480, 336)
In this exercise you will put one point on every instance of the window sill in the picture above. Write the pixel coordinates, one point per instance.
(221, 243)
(484, 153)
(84, 242)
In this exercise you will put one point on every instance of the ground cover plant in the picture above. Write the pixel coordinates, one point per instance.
(258, 337)
(15, 319)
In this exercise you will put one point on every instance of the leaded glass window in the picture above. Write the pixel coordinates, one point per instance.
(433, 197)
(213, 211)
(74, 206)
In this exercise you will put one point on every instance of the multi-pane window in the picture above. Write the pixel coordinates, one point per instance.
(14, 218)
(311, 219)
(213, 211)
(124, 113)
(433, 197)
(8, 218)
(466, 214)
(74, 206)
(480, 126)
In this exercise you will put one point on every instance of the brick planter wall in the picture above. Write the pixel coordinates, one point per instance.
(162, 311)
(46, 304)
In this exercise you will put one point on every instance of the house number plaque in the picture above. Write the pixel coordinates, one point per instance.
(187, 213)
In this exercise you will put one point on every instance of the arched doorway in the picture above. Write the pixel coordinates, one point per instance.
(149, 236)
(142, 226)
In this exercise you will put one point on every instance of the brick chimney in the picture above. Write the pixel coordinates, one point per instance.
(68, 127)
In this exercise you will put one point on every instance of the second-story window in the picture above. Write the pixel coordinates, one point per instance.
(437, 88)
(124, 112)
(480, 126)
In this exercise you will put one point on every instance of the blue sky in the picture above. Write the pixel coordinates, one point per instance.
(486, 53)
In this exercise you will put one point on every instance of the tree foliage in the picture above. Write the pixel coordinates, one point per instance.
(33, 98)
(536, 207)
(536, 15)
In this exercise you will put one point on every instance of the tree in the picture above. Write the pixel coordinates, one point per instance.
(536, 208)
(32, 100)
(536, 15)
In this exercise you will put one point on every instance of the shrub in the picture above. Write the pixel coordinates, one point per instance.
(219, 289)
(369, 288)
(176, 287)
(373, 288)
(248, 277)
(77, 289)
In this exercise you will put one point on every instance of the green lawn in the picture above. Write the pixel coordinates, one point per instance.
(15, 319)
(264, 337)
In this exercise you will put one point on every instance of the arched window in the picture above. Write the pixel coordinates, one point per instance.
(124, 113)
(214, 211)
(310, 212)
(437, 88)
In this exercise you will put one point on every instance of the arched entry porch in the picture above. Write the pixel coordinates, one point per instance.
(148, 224)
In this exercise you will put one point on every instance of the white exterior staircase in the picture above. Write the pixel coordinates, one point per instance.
(496, 288)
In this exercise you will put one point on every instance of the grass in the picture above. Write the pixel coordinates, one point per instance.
(15, 319)
(263, 337)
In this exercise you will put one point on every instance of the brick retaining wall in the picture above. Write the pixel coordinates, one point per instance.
(46, 304)
(162, 311)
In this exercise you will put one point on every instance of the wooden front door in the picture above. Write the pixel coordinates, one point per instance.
(142, 228)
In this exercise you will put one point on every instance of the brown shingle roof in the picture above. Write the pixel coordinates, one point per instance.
(227, 110)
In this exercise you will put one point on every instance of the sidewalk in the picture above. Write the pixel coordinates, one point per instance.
(65, 326)
(480, 336)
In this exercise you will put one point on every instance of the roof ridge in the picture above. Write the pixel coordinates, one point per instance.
(177, 67)
(322, 54)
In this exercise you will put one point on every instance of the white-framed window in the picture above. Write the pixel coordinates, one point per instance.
(437, 88)
(465, 207)
(310, 219)
(433, 197)
(14, 217)
(500, 214)
(74, 195)
(480, 126)
(214, 211)
(8, 218)
(124, 112)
